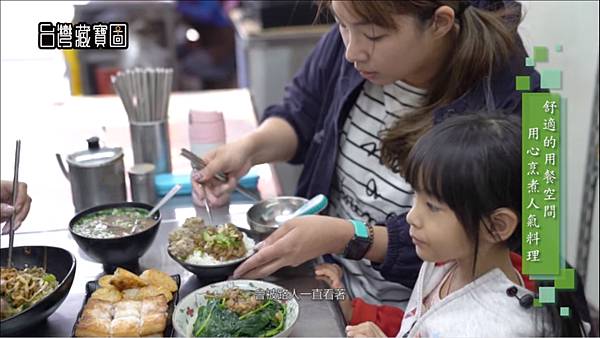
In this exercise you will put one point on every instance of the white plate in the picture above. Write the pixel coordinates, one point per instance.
(186, 311)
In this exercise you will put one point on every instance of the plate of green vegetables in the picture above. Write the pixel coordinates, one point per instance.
(237, 308)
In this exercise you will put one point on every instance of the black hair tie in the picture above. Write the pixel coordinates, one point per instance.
(486, 5)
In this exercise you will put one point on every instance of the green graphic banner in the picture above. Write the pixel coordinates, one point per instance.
(541, 184)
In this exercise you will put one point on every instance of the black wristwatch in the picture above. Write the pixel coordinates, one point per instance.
(358, 246)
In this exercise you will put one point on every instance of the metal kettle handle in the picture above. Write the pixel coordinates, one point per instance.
(62, 165)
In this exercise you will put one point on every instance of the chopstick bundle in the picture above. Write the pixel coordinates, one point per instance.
(144, 92)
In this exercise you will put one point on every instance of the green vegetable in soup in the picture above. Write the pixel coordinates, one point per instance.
(113, 223)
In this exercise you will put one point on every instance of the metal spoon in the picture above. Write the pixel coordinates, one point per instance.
(164, 200)
(312, 207)
(160, 203)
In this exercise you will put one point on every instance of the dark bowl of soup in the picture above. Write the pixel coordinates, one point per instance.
(116, 234)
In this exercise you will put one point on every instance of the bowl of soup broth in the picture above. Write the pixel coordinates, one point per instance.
(115, 234)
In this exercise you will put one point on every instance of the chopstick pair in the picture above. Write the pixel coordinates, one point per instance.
(199, 164)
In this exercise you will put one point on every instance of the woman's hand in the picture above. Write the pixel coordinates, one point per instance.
(366, 329)
(274, 140)
(233, 159)
(295, 242)
(21, 208)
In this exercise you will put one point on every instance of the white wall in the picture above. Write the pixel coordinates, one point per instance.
(574, 25)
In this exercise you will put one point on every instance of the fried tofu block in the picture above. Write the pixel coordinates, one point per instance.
(156, 304)
(159, 278)
(97, 308)
(95, 319)
(153, 324)
(128, 305)
(110, 295)
(128, 308)
(131, 294)
(125, 327)
(151, 291)
(123, 279)
(92, 327)
(104, 281)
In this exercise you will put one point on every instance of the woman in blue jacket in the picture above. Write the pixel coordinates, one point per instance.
(381, 78)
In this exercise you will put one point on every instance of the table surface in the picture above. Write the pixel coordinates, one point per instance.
(63, 128)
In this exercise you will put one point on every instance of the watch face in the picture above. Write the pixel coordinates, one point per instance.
(360, 229)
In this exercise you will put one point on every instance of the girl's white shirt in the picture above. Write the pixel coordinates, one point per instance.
(479, 309)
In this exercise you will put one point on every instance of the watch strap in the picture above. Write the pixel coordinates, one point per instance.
(358, 246)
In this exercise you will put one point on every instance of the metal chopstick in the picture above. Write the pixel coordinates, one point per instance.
(15, 187)
(207, 206)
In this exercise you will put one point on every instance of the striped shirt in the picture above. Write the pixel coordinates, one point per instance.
(364, 189)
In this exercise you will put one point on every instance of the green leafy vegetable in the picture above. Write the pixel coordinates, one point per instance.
(216, 320)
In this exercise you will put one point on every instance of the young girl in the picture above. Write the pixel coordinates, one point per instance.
(465, 219)
(373, 320)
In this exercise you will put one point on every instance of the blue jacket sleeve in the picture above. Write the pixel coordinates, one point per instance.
(401, 263)
(303, 101)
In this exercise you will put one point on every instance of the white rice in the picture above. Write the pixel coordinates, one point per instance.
(201, 258)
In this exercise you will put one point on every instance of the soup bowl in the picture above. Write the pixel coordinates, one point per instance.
(118, 251)
(261, 216)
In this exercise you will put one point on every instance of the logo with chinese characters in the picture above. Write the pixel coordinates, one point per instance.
(113, 35)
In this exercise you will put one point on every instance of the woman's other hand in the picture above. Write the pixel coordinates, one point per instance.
(295, 242)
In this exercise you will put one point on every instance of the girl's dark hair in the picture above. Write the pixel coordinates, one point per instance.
(483, 41)
(472, 163)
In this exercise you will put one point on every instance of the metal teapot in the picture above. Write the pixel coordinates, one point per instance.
(97, 175)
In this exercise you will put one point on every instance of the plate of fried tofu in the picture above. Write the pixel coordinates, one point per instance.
(128, 305)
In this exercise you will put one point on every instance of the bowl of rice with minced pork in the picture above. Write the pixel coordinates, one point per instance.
(210, 252)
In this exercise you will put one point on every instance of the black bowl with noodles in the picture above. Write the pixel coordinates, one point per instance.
(124, 250)
(57, 261)
(220, 271)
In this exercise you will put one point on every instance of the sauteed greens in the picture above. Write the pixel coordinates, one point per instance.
(238, 313)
